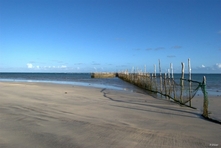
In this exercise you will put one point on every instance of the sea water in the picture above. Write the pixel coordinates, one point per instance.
(213, 81)
(80, 79)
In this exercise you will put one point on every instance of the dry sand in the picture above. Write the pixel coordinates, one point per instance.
(55, 116)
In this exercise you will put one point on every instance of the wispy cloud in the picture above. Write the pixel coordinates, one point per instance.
(211, 69)
(45, 67)
(160, 48)
(149, 49)
(63, 66)
(171, 56)
(218, 65)
(96, 64)
(29, 65)
(176, 47)
(122, 66)
(137, 49)
(219, 32)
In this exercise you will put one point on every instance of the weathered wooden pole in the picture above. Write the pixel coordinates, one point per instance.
(168, 73)
(145, 70)
(173, 82)
(189, 67)
(151, 82)
(137, 78)
(169, 84)
(160, 78)
(171, 69)
(181, 82)
(155, 77)
(165, 84)
(134, 76)
(146, 82)
(206, 101)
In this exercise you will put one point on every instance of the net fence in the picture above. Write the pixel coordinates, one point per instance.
(179, 90)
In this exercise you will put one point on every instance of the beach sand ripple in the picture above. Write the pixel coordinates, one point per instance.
(52, 115)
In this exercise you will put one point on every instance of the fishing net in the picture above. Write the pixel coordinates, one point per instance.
(179, 90)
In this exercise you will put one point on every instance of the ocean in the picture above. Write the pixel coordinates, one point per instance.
(213, 85)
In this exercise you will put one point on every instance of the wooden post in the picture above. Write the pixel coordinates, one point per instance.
(155, 77)
(173, 82)
(205, 102)
(168, 73)
(165, 84)
(145, 70)
(134, 76)
(181, 82)
(151, 82)
(160, 78)
(138, 74)
(189, 67)
(146, 80)
(169, 84)
(171, 69)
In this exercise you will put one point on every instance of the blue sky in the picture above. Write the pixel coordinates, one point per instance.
(109, 35)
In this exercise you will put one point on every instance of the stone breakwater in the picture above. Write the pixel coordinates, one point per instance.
(103, 75)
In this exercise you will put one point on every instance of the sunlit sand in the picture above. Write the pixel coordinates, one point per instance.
(52, 115)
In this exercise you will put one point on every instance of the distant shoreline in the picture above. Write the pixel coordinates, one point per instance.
(93, 72)
(211, 92)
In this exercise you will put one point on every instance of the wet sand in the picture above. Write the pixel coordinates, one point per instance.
(52, 115)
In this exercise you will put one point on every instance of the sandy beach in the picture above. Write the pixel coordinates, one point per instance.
(44, 115)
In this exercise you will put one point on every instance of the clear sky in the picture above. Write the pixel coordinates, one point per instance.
(109, 35)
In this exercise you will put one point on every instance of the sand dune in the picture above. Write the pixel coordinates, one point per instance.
(45, 115)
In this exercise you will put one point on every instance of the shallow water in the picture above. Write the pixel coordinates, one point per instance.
(213, 86)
